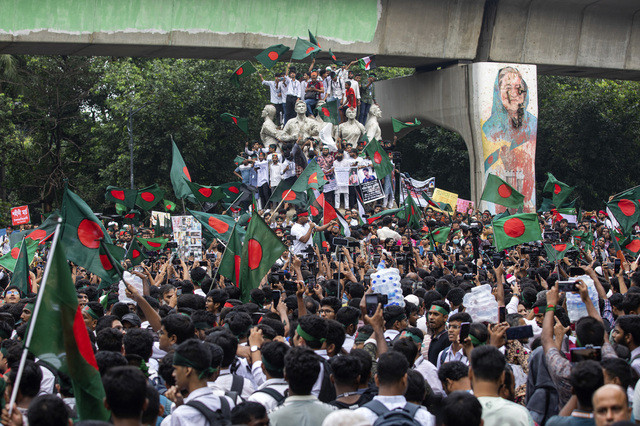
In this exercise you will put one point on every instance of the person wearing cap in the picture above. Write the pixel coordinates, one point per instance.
(192, 369)
(131, 321)
(303, 229)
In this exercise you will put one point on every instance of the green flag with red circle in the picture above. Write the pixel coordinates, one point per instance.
(303, 48)
(169, 206)
(153, 244)
(516, 229)
(150, 196)
(83, 234)
(135, 253)
(124, 196)
(311, 177)
(556, 252)
(399, 124)
(179, 173)
(271, 55)
(242, 72)
(240, 123)
(632, 246)
(380, 159)
(328, 112)
(260, 250)
(283, 193)
(410, 212)
(218, 225)
(132, 217)
(626, 211)
(560, 191)
(8, 261)
(231, 258)
(205, 194)
(439, 235)
(498, 191)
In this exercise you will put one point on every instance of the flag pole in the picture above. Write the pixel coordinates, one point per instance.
(34, 317)
(234, 201)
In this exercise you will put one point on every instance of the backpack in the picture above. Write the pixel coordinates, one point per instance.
(273, 394)
(398, 417)
(237, 385)
(219, 417)
(327, 390)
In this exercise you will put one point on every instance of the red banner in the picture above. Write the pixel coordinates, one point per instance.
(20, 215)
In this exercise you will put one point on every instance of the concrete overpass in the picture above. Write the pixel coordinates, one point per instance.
(571, 37)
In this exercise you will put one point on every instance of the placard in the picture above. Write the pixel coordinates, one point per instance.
(417, 188)
(20, 215)
(371, 191)
(342, 176)
(463, 206)
(442, 196)
(187, 232)
(366, 174)
(163, 217)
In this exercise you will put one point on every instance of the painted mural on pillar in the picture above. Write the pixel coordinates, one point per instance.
(508, 101)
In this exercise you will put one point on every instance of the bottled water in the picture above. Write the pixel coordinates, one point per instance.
(481, 304)
(575, 306)
(387, 281)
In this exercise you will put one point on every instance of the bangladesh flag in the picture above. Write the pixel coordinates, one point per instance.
(111, 257)
(21, 277)
(328, 112)
(500, 192)
(502, 215)
(230, 262)
(312, 39)
(303, 48)
(320, 241)
(132, 217)
(382, 214)
(205, 194)
(516, 229)
(368, 63)
(121, 209)
(169, 206)
(315, 208)
(60, 337)
(232, 190)
(584, 236)
(153, 244)
(626, 211)
(269, 56)
(149, 197)
(491, 159)
(83, 234)
(632, 246)
(8, 261)
(243, 71)
(241, 123)
(410, 212)
(399, 125)
(436, 204)
(439, 235)
(284, 193)
(559, 190)
(311, 177)
(556, 252)
(334, 59)
(219, 225)
(135, 254)
(126, 197)
(381, 163)
(260, 251)
(179, 173)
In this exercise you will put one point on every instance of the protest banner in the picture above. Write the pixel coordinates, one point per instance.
(187, 232)
(371, 191)
(20, 215)
(442, 196)
(463, 205)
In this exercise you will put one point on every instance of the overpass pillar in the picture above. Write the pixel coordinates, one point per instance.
(493, 106)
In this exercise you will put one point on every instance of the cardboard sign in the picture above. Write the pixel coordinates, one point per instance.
(463, 206)
(20, 215)
(442, 196)
(371, 191)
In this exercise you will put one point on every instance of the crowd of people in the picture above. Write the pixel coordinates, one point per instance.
(309, 349)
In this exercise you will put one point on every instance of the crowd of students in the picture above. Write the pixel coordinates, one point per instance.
(308, 348)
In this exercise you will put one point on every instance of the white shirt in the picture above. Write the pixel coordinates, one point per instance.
(279, 385)
(452, 356)
(289, 172)
(430, 374)
(274, 91)
(423, 417)
(348, 342)
(224, 381)
(293, 87)
(303, 89)
(336, 89)
(298, 230)
(262, 172)
(275, 174)
(186, 415)
(356, 88)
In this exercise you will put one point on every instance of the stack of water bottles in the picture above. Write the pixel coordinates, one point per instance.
(481, 304)
(575, 306)
(387, 281)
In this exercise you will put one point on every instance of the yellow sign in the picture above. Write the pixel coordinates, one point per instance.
(442, 196)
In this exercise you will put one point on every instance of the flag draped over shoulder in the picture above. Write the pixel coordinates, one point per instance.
(516, 229)
(179, 173)
(260, 250)
(500, 192)
(60, 337)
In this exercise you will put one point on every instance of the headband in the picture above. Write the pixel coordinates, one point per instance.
(412, 336)
(227, 305)
(87, 310)
(270, 366)
(30, 306)
(307, 336)
(303, 214)
(475, 342)
(362, 337)
(439, 309)
(205, 371)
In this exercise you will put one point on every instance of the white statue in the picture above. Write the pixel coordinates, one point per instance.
(350, 131)
(299, 128)
(371, 125)
(269, 131)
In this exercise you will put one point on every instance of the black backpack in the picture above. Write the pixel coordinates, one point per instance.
(404, 416)
(274, 394)
(327, 390)
(237, 385)
(214, 418)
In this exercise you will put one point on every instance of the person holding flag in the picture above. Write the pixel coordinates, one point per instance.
(303, 231)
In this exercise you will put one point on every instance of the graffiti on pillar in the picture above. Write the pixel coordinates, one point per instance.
(508, 112)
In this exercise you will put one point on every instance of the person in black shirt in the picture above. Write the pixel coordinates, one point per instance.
(437, 320)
